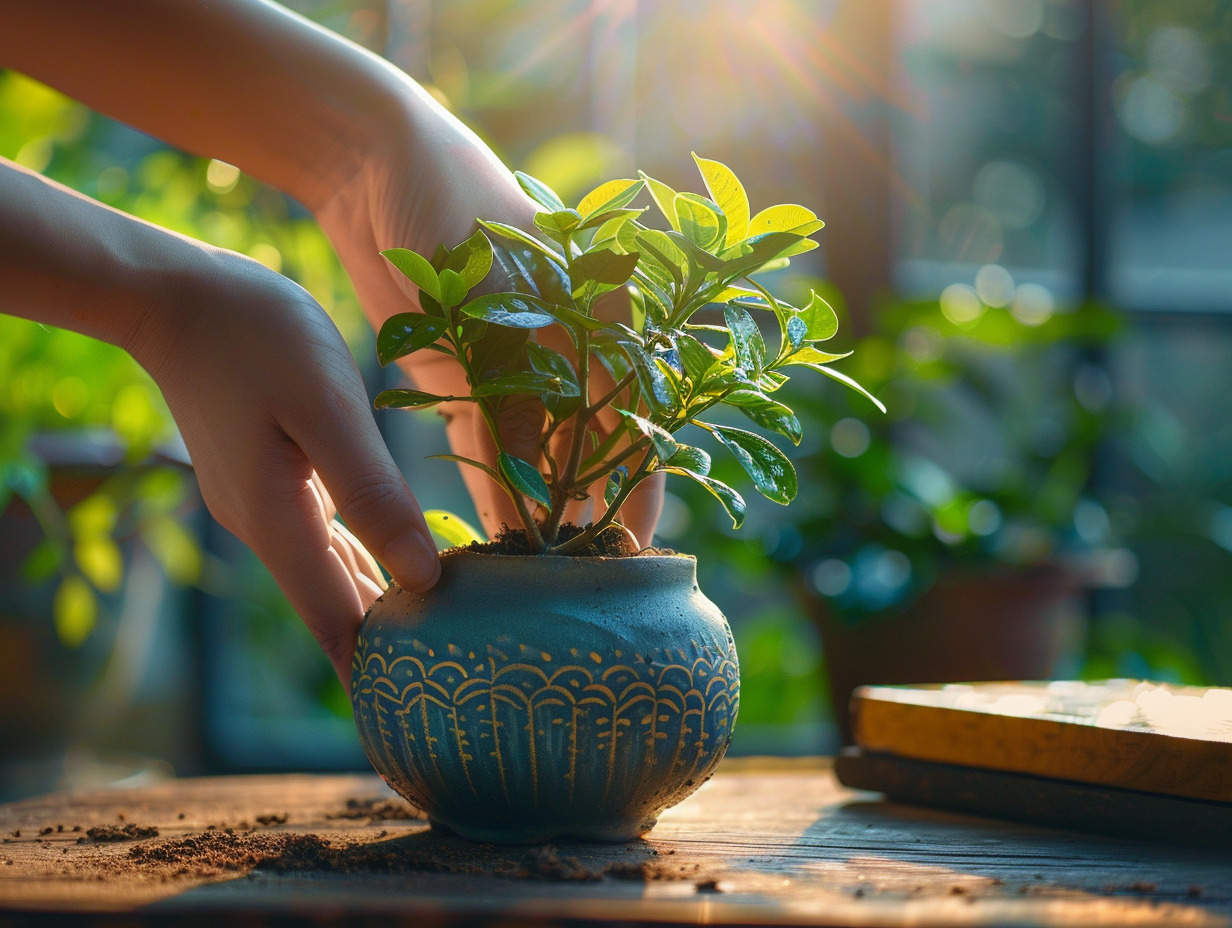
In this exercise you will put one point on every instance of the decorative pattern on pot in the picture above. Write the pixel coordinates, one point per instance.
(583, 707)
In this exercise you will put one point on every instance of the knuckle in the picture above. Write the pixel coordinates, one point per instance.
(371, 499)
(521, 420)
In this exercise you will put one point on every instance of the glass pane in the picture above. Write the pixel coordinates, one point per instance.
(1171, 223)
(986, 146)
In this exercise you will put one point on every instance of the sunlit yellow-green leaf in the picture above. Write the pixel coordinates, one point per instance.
(604, 194)
(175, 548)
(94, 515)
(74, 610)
(99, 558)
(136, 418)
(451, 529)
(727, 191)
(786, 217)
(699, 221)
(664, 198)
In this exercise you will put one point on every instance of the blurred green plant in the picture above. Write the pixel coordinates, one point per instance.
(984, 460)
(56, 383)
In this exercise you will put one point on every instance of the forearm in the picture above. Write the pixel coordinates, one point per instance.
(244, 81)
(70, 262)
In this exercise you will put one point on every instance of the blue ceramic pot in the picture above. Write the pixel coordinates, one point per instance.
(526, 698)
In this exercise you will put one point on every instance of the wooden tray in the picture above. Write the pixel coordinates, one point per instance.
(1122, 757)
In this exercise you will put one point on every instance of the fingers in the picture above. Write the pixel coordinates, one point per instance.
(361, 564)
(371, 496)
(316, 567)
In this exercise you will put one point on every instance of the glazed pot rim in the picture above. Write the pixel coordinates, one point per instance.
(464, 554)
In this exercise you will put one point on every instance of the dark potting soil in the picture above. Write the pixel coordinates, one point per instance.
(218, 852)
(129, 832)
(378, 810)
(611, 542)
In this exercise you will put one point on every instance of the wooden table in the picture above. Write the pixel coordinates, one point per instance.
(765, 842)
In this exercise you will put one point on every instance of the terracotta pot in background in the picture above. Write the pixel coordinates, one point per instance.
(968, 627)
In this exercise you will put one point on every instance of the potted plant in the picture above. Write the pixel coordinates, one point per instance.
(955, 538)
(545, 692)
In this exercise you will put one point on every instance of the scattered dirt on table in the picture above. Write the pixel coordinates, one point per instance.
(128, 832)
(378, 810)
(218, 852)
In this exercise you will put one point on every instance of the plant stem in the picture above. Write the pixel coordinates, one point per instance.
(562, 489)
(537, 544)
(577, 542)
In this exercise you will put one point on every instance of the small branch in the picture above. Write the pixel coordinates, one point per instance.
(577, 542)
(604, 401)
(563, 488)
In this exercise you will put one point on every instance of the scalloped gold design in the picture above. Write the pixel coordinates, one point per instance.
(524, 732)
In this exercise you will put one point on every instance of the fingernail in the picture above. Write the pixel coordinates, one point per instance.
(413, 561)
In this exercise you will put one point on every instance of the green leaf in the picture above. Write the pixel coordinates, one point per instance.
(700, 220)
(795, 331)
(98, 557)
(664, 197)
(696, 356)
(74, 611)
(408, 399)
(786, 217)
(663, 252)
(490, 471)
(664, 444)
(516, 310)
(727, 191)
(699, 258)
(772, 472)
(545, 360)
(769, 414)
(525, 478)
(755, 253)
(404, 333)
(603, 269)
(847, 382)
(453, 530)
(540, 192)
(515, 234)
(820, 317)
(453, 289)
(810, 355)
(471, 260)
(690, 458)
(609, 222)
(651, 378)
(747, 342)
(732, 501)
(560, 223)
(565, 400)
(519, 383)
(417, 269)
(614, 194)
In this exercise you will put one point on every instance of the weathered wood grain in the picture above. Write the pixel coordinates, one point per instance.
(762, 843)
(1154, 738)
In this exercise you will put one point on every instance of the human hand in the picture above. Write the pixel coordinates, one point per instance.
(277, 422)
(425, 182)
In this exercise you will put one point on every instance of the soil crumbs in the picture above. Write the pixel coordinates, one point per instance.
(219, 852)
(613, 541)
